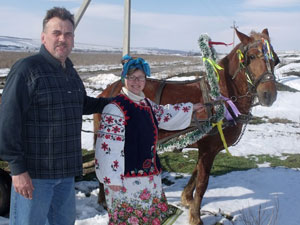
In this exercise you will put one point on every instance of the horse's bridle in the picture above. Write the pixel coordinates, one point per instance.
(244, 62)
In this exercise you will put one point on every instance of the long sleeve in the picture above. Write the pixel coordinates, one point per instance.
(109, 155)
(173, 117)
(94, 105)
(15, 103)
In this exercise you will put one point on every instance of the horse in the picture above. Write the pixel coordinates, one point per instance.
(247, 75)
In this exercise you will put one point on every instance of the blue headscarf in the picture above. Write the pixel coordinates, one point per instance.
(134, 63)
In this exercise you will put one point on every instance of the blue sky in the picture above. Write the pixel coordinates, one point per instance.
(171, 24)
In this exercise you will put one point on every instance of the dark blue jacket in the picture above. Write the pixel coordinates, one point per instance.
(41, 117)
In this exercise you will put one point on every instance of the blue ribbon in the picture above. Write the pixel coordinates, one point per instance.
(139, 63)
(267, 50)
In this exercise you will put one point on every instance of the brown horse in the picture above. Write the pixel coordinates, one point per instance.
(241, 81)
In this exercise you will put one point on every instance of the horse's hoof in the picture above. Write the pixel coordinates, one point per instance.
(194, 219)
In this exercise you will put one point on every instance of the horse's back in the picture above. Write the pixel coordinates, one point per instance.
(163, 92)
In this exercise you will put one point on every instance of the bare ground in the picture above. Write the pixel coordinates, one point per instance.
(7, 58)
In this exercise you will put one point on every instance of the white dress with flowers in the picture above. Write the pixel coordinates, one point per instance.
(142, 199)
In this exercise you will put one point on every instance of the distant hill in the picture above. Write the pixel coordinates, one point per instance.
(8, 43)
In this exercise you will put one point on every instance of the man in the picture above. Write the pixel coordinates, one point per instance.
(40, 127)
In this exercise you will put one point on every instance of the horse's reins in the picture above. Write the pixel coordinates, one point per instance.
(267, 54)
(244, 62)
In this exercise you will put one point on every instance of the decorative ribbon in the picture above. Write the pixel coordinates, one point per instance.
(218, 43)
(241, 60)
(267, 50)
(219, 126)
(214, 65)
(241, 56)
(235, 110)
(228, 117)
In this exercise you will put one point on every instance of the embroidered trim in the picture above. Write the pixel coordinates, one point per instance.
(149, 165)
(111, 127)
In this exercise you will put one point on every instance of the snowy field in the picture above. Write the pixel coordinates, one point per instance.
(235, 193)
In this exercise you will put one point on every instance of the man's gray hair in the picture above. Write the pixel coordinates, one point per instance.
(61, 13)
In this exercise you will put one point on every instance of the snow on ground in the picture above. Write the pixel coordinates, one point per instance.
(236, 193)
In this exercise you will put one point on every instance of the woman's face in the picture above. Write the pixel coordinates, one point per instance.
(136, 82)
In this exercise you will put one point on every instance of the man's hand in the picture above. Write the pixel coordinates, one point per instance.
(23, 185)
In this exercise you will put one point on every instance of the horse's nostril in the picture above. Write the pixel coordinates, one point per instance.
(267, 99)
(266, 95)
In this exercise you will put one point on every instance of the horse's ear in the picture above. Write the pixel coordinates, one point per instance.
(266, 32)
(243, 37)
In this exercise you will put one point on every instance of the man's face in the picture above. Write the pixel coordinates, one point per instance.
(58, 38)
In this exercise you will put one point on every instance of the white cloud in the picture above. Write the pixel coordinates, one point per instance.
(271, 3)
(22, 24)
(103, 24)
(281, 26)
(108, 11)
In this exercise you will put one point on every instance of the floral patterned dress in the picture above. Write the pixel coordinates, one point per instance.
(142, 199)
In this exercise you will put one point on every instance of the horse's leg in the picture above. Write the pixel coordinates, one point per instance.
(204, 165)
(101, 196)
(188, 191)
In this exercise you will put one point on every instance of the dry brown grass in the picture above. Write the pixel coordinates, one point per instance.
(7, 59)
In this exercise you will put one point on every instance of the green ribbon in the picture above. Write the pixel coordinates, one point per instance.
(215, 66)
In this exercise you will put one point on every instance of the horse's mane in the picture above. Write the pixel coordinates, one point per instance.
(257, 36)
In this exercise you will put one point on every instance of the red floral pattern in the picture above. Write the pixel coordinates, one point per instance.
(130, 213)
(111, 128)
(161, 115)
(141, 201)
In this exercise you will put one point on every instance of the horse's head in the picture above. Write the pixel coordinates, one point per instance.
(257, 60)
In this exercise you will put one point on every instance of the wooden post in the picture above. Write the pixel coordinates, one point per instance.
(126, 34)
(80, 12)
(233, 27)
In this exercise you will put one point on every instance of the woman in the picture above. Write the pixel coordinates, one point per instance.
(126, 159)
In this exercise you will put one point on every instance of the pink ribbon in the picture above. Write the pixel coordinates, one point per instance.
(235, 110)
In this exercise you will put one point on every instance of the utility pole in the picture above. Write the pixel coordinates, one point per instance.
(80, 12)
(126, 32)
(233, 27)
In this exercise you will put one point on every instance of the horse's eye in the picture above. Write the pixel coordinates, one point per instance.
(252, 57)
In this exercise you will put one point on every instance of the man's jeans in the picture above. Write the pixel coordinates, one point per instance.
(53, 202)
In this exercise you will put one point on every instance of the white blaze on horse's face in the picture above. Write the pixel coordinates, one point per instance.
(136, 82)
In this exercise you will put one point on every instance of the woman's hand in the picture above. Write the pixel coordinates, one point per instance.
(115, 187)
(198, 107)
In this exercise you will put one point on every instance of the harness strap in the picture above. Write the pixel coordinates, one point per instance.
(159, 91)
